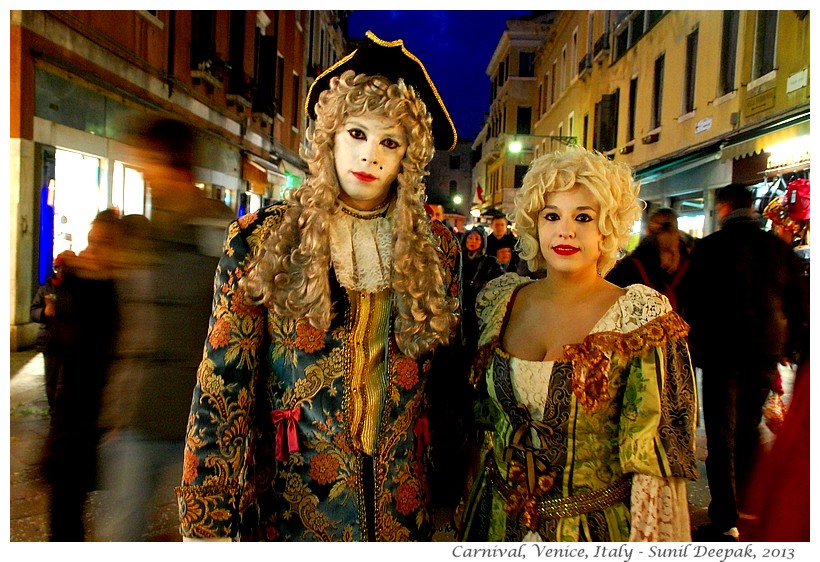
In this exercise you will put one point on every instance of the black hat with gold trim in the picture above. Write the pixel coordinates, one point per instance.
(393, 61)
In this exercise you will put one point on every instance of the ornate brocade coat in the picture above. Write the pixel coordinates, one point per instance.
(270, 451)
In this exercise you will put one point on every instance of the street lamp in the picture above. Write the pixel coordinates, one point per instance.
(516, 146)
(457, 199)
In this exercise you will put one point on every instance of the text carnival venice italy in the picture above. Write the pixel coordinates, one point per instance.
(624, 553)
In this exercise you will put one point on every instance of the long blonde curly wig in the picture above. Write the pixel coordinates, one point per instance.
(611, 183)
(290, 274)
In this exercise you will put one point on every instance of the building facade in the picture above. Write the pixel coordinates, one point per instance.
(693, 100)
(450, 182)
(79, 78)
(510, 117)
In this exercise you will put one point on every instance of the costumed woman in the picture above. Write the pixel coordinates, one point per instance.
(591, 386)
(308, 419)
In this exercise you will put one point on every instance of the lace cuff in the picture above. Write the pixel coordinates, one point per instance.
(660, 510)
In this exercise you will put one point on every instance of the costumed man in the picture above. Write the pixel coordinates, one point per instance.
(308, 419)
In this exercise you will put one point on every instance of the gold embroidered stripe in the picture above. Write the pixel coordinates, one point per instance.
(368, 386)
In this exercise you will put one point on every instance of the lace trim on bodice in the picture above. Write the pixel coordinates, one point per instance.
(530, 382)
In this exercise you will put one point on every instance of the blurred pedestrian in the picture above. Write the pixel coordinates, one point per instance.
(44, 312)
(742, 296)
(165, 288)
(86, 329)
(309, 417)
(660, 259)
(593, 393)
(780, 491)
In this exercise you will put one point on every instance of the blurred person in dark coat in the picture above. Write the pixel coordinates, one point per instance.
(659, 261)
(43, 311)
(85, 331)
(165, 288)
(744, 300)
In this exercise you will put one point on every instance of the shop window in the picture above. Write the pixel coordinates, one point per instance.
(691, 214)
(77, 199)
(128, 190)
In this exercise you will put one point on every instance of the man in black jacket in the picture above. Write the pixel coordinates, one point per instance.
(743, 297)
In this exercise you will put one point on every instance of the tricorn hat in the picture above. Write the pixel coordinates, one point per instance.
(391, 60)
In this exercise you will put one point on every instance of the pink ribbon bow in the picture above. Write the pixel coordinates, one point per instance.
(280, 419)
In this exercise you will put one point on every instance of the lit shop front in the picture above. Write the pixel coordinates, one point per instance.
(777, 165)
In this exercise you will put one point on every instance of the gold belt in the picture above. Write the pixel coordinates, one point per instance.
(556, 508)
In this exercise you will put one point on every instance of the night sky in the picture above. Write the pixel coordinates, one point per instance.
(455, 47)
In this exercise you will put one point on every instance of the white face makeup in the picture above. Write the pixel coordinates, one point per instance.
(368, 152)
(568, 231)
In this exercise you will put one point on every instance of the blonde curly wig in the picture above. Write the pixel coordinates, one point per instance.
(611, 183)
(290, 274)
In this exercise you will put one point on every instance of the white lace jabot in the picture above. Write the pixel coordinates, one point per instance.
(361, 248)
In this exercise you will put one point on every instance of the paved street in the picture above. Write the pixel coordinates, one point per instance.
(28, 491)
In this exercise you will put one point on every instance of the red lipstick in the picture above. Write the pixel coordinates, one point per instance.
(363, 176)
(565, 250)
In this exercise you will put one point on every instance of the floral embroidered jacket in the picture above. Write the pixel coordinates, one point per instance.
(277, 422)
(618, 411)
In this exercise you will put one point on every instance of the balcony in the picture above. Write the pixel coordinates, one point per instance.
(585, 66)
(210, 71)
(601, 47)
(240, 91)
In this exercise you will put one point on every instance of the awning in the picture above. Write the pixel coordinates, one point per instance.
(256, 176)
(758, 144)
(262, 175)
